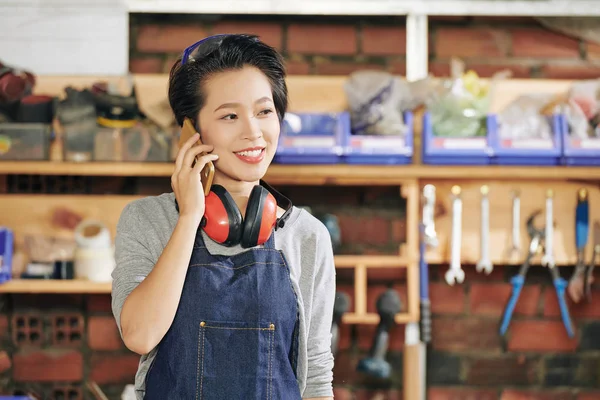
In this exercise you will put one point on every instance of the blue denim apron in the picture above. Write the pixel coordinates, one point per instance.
(235, 333)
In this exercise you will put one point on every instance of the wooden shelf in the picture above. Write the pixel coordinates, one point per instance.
(54, 286)
(350, 261)
(340, 174)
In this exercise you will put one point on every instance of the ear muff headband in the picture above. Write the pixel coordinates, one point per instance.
(258, 223)
(223, 221)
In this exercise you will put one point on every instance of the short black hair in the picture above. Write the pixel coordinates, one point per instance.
(186, 94)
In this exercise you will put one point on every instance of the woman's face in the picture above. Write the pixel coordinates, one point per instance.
(239, 119)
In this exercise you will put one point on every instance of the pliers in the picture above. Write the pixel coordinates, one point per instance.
(535, 247)
(595, 257)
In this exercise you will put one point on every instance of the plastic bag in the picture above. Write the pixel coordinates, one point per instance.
(524, 119)
(374, 99)
(583, 109)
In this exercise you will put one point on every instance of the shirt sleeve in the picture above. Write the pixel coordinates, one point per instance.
(320, 359)
(133, 260)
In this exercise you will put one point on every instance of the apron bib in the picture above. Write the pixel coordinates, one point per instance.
(235, 332)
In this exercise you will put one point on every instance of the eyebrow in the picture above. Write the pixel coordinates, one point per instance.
(233, 105)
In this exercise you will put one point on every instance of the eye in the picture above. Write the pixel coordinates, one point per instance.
(266, 111)
(229, 117)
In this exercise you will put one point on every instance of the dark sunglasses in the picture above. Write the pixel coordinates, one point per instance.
(202, 48)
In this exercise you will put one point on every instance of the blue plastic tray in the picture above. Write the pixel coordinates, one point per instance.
(577, 151)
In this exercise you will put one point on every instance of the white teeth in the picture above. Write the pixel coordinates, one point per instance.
(251, 153)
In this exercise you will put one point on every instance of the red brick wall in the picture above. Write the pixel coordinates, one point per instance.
(340, 45)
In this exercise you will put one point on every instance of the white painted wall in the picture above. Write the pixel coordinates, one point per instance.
(65, 37)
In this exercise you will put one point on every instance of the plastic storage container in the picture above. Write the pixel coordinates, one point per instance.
(381, 149)
(454, 150)
(528, 150)
(6, 253)
(25, 141)
(312, 138)
(577, 150)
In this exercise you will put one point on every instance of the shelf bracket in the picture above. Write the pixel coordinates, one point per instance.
(417, 50)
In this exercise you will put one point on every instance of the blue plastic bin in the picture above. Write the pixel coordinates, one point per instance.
(381, 149)
(534, 151)
(454, 150)
(312, 138)
(6, 252)
(582, 152)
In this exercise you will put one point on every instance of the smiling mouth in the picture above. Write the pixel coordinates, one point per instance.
(252, 156)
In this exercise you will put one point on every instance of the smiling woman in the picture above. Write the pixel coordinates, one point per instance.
(229, 295)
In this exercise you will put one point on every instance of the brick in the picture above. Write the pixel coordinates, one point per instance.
(442, 69)
(490, 299)
(269, 33)
(48, 366)
(99, 303)
(472, 275)
(447, 393)
(471, 42)
(588, 396)
(342, 393)
(443, 368)
(28, 329)
(344, 369)
(145, 65)
(590, 333)
(3, 326)
(168, 38)
(542, 336)
(370, 230)
(556, 71)
(510, 394)
(503, 371)
(5, 362)
(113, 368)
(321, 39)
(297, 68)
(66, 392)
(344, 68)
(398, 68)
(383, 40)
(67, 329)
(582, 310)
(571, 370)
(465, 334)
(103, 333)
(399, 230)
(379, 394)
(543, 43)
(446, 299)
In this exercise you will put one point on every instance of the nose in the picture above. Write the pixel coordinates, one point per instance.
(251, 129)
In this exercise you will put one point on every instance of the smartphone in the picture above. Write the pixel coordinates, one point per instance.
(208, 172)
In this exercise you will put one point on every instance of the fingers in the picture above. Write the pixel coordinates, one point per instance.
(202, 161)
(181, 153)
(192, 153)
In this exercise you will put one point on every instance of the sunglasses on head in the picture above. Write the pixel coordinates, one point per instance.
(203, 47)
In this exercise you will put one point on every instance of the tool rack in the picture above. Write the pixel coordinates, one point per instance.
(32, 213)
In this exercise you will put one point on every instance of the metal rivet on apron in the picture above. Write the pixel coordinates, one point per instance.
(202, 323)
(272, 327)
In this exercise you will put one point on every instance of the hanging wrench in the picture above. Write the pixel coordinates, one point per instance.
(455, 272)
(428, 211)
(485, 264)
(548, 258)
(514, 252)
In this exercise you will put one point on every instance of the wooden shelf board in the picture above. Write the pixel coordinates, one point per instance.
(374, 261)
(340, 174)
(54, 286)
(373, 318)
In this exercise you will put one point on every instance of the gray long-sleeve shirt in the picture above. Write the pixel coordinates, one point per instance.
(145, 227)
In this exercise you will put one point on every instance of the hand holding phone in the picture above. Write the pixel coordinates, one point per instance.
(194, 172)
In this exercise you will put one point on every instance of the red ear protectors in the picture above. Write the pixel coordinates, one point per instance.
(224, 224)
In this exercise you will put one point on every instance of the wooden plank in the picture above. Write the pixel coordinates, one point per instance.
(340, 174)
(54, 286)
(532, 198)
(370, 261)
(373, 318)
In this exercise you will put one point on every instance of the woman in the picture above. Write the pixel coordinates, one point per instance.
(214, 318)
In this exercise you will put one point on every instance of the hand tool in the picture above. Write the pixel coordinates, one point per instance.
(388, 305)
(548, 258)
(455, 272)
(577, 282)
(484, 263)
(424, 290)
(428, 215)
(588, 277)
(340, 306)
(515, 249)
(536, 246)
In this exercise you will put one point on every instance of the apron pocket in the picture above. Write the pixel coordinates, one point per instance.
(235, 360)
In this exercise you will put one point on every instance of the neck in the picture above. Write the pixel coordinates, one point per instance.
(239, 190)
